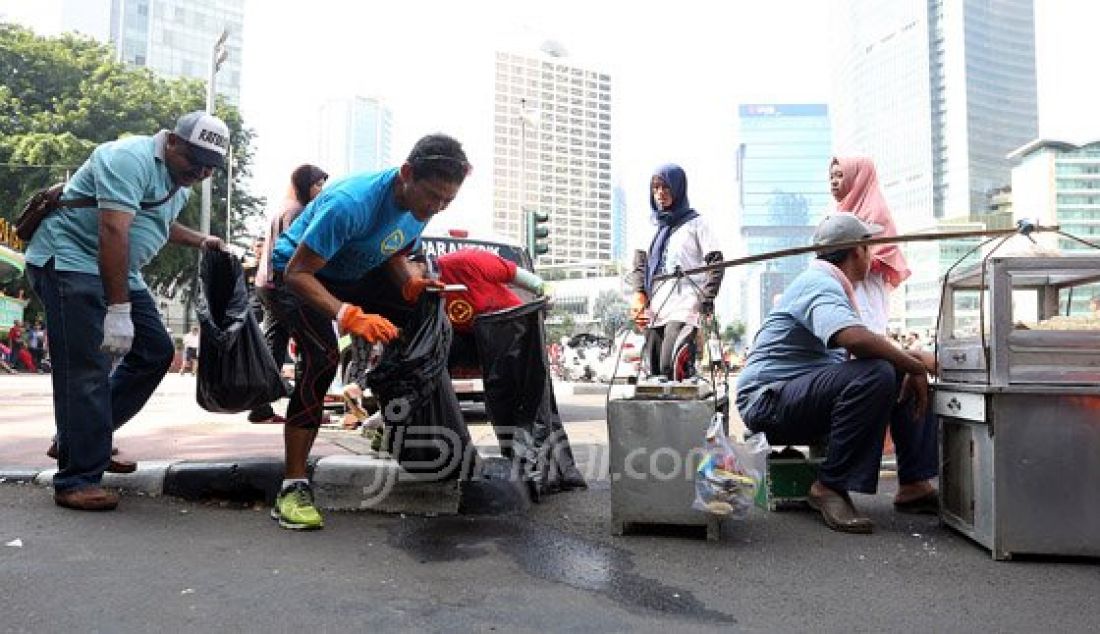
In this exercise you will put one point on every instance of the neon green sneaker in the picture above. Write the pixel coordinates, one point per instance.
(294, 508)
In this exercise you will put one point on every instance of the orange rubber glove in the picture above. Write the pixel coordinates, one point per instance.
(373, 328)
(638, 310)
(414, 286)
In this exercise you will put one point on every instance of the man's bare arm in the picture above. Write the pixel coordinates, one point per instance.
(114, 254)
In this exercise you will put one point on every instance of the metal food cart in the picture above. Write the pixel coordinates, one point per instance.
(1018, 403)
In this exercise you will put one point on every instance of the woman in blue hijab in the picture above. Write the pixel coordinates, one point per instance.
(669, 312)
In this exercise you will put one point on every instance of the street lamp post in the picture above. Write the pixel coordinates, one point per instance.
(218, 55)
(527, 116)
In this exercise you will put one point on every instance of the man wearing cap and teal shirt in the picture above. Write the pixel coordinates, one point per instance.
(108, 345)
(815, 371)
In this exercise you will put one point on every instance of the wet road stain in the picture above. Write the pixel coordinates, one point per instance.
(551, 555)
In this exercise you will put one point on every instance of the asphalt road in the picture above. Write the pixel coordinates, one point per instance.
(175, 566)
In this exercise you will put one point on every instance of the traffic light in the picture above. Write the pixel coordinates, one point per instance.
(538, 233)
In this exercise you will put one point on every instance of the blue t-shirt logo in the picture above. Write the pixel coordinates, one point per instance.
(393, 243)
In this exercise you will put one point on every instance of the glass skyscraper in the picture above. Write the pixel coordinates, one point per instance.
(355, 135)
(937, 93)
(175, 38)
(783, 168)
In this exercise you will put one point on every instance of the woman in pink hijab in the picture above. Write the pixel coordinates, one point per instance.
(854, 184)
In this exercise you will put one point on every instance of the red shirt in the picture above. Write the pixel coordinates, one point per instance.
(486, 275)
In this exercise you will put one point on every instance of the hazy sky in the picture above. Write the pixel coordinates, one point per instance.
(678, 71)
(676, 77)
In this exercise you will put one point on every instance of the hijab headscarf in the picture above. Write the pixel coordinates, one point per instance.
(667, 219)
(860, 195)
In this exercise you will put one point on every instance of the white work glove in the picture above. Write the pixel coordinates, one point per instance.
(118, 330)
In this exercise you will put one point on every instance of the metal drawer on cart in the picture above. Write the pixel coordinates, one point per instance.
(964, 405)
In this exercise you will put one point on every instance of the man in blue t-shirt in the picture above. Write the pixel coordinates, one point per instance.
(84, 262)
(816, 371)
(343, 258)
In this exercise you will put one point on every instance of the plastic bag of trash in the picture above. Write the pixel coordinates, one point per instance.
(520, 401)
(236, 370)
(729, 473)
(425, 429)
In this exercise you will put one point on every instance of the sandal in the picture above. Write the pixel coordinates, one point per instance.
(928, 504)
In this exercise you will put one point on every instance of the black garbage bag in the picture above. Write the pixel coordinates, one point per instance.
(425, 429)
(519, 398)
(236, 369)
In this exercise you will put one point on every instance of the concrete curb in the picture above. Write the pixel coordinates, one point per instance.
(343, 483)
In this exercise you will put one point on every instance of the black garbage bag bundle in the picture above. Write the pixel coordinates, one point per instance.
(519, 398)
(425, 430)
(236, 370)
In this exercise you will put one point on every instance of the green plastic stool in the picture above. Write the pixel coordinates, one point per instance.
(788, 477)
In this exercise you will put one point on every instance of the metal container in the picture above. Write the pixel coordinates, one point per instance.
(1018, 406)
(654, 447)
(1020, 467)
(1024, 321)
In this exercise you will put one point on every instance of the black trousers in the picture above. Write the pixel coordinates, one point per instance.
(315, 335)
(659, 349)
(850, 404)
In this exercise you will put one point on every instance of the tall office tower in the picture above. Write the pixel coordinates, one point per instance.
(177, 37)
(552, 153)
(355, 135)
(783, 166)
(938, 93)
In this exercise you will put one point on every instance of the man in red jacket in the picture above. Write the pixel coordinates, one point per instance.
(486, 276)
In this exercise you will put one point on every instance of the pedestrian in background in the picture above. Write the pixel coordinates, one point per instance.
(16, 344)
(306, 181)
(345, 258)
(190, 352)
(36, 338)
(109, 347)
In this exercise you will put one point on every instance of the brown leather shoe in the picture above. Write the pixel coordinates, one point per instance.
(121, 466)
(839, 513)
(93, 498)
(52, 451)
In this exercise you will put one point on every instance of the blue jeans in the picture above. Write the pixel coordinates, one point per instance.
(850, 404)
(90, 401)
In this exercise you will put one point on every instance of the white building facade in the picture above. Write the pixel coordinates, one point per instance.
(552, 153)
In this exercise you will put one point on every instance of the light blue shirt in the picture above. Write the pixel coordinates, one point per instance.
(794, 337)
(355, 224)
(120, 175)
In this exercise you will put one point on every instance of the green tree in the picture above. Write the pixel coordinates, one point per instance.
(734, 332)
(562, 326)
(610, 312)
(62, 96)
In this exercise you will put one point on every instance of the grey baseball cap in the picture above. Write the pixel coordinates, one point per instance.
(207, 137)
(843, 227)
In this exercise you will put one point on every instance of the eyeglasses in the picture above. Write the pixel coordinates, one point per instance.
(197, 166)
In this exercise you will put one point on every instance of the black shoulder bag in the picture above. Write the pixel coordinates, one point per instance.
(44, 201)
